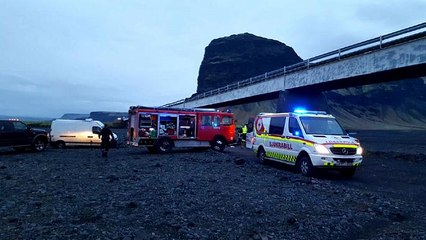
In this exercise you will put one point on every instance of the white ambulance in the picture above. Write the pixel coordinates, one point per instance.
(307, 140)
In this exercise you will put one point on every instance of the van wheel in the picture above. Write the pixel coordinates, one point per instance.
(218, 144)
(60, 145)
(305, 166)
(39, 145)
(261, 156)
(164, 145)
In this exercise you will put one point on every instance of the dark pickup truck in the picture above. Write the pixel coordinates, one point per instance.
(16, 134)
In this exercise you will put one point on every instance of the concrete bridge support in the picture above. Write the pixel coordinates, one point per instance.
(308, 99)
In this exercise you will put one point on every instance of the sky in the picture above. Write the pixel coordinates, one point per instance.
(79, 56)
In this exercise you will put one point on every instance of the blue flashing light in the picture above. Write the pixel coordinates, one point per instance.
(297, 133)
(300, 110)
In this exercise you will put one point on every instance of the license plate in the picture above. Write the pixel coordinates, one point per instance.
(345, 163)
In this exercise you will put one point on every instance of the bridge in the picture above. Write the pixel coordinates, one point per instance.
(394, 56)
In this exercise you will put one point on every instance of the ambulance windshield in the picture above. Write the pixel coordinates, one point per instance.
(321, 125)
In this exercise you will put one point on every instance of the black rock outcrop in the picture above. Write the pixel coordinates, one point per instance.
(238, 57)
(390, 105)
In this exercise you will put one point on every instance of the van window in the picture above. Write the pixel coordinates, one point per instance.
(277, 125)
(96, 129)
(294, 127)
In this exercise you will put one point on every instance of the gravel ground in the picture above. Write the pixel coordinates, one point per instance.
(76, 194)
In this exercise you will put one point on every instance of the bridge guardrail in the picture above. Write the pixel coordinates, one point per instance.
(333, 56)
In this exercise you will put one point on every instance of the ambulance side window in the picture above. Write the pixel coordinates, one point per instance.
(277, 125)
(294, 127)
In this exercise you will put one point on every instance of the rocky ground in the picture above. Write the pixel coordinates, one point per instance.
(75, 194)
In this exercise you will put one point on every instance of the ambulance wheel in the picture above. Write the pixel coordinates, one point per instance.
(348, 172)
(164, 145)
(218, 144)
(305, 166)
(261, 155)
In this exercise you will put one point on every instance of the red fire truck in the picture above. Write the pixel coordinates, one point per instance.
(162, 128)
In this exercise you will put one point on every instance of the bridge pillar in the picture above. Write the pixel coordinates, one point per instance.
(289, 100)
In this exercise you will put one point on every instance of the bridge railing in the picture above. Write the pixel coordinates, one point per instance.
(404, 35)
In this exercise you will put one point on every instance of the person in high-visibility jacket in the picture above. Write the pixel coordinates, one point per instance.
(243, 134)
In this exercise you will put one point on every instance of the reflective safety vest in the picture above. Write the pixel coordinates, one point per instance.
(244, 129)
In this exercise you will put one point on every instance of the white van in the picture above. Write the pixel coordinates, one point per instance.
(307, 140)
(65, 132)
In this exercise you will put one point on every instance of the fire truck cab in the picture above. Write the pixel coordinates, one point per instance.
(162, 128)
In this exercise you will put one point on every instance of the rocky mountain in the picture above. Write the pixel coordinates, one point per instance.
(391, 105)
(238, 57)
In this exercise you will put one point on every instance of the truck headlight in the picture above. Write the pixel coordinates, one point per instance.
(359, 151)
(321, 149)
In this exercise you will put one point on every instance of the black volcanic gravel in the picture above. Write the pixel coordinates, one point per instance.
(76, 194)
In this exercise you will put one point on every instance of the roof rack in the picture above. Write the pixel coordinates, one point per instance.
(174, 109)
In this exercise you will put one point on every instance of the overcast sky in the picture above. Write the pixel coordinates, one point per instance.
(78, 56)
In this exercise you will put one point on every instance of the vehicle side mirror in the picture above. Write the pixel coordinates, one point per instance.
(96, 130)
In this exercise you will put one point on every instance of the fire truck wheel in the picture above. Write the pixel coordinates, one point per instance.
(261, 155)
(305, 166)
(164, 145)
(219, 144)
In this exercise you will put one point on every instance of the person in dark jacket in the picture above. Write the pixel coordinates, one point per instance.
(104, 135)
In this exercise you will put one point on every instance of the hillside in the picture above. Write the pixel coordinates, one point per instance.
(241, 56)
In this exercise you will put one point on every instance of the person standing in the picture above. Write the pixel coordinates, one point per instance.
(243, 135)
(105, 135)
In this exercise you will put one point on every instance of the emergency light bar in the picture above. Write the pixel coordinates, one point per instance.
(302, 111)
